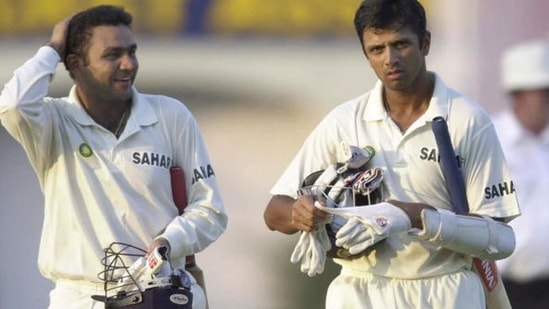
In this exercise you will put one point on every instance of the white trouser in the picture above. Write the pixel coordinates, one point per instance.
(72, 294)
(355, 289)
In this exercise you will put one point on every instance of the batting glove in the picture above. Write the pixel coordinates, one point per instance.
(311, 250)
(370, 224)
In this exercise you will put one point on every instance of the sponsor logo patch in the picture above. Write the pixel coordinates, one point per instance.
(499, 190)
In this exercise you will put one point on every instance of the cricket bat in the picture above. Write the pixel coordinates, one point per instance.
(496, 296)
(179, 193)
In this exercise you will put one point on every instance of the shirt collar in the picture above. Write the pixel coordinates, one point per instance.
(438, 105)
(515, 133)
(512, 130)
(142, 113)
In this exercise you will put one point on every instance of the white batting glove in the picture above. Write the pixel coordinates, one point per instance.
(311, 250)
(371, 224)
(301, 248)
(320, 245)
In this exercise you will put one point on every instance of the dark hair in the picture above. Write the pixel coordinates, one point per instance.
(390, 14)
(82, 24)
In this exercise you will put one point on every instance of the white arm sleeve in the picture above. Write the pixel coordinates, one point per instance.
(481, 237)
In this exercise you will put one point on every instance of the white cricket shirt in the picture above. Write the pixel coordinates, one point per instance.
(99, 189)
(411, 171)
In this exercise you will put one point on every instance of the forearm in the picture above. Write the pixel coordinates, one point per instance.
(481, 237)
(194, 230)
(30, 83)
(278, 214)
(413, 210)
(22, 108)
(472, 235)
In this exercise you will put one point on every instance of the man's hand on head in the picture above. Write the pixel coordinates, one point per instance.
(58, 39)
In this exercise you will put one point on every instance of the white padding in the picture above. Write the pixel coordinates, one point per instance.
(481, 237)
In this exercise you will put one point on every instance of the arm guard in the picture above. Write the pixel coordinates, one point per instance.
(481, 237)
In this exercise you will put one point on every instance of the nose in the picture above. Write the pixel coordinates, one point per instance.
(391, 56)
(128, 62)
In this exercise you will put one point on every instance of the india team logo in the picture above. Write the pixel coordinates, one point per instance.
(85, 150)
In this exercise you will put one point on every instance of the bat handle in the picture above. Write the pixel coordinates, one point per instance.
(450, 167)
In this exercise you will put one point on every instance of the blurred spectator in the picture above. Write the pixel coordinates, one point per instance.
(524, 134)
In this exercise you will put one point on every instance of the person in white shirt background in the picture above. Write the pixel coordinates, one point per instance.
(524, 133)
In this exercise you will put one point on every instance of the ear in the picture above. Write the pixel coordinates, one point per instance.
(426, 43)
(74, 63)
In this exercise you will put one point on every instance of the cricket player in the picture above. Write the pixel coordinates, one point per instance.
(410, 250)
(102, 156)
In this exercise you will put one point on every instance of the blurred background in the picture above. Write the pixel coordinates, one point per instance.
(258, 76)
